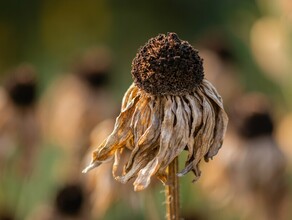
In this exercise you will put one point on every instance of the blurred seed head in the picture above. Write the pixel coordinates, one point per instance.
(216, 42)
(6, 216)
(94, 67)
(251, 116)
(256, 125)
(21, 86)
(70, 199)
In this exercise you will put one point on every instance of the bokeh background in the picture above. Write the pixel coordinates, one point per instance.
(64, 67)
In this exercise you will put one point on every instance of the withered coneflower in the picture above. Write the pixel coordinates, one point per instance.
(169, 107)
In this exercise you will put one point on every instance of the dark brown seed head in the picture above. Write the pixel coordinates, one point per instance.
(167, 65)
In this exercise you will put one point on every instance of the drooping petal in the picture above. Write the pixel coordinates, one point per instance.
(181, 131)
(209, 90)
(196, 121)
(141, 119)
(130, 94)
(117, 159)
(145, 143)
(153, 131)
(121, 134)
(156, 129)
(221, 119)
(139, 162)
(203, 138)
(149, 139)
(167, 133)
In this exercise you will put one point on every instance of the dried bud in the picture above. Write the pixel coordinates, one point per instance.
(167, 65)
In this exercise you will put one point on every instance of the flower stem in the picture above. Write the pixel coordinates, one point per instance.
(172, 191)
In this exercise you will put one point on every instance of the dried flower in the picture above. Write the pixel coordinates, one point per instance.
(169, 108)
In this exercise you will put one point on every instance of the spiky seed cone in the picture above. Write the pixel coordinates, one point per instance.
(166, 65)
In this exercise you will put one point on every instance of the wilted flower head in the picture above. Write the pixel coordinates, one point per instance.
(169, 107)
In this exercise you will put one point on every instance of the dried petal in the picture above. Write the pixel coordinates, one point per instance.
(156, 129)
(203, 138)
(221, 119)
(145, 174)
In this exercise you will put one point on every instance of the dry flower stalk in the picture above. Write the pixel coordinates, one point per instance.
(171, 191)
(169, 108)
